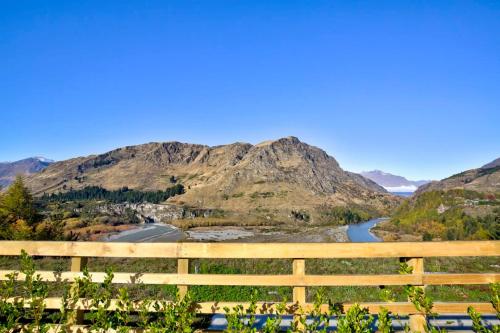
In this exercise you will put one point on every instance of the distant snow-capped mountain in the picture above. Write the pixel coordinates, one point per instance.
(393, 183)
(44, 159)
(27, 166)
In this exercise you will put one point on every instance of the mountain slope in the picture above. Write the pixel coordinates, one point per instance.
(274, 177)
(492, 164)
(393, 183)
(483, 179)
(27, 166)
(463, 206)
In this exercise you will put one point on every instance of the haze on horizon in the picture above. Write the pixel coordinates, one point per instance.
(410, 89)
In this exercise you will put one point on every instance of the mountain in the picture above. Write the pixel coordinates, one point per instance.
(483, 179)
(463, 206)
(393, 183)
(273, 178)
(28, 166)
(492, 164)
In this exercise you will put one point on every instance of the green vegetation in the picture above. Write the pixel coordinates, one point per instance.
(264, 195)
(345, 215)
(444, 215)
(22, 308)
(116, 196)
(20, 218)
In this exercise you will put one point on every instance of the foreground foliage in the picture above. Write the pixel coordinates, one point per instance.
(20, 218)
(22, 308)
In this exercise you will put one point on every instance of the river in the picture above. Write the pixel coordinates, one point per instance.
(157, 232)
(361, 232)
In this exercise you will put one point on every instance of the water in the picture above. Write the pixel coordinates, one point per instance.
(361, 232)
(403, 194)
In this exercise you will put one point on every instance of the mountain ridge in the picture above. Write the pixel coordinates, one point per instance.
(482, 179)
(275, 176)
(26, 166)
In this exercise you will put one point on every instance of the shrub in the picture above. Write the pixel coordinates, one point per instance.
(27, 313)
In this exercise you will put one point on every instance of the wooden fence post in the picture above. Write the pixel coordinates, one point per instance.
(299, 293)
(417, 321)
(77, 265)
(182, 268)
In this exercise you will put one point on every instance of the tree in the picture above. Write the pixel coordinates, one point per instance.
(18, 215)
(17, 203)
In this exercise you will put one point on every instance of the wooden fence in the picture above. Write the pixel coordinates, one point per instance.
(411, 252)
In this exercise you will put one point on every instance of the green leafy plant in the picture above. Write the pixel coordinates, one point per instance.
(478, 324)
(495, 297)
(385, 321)
(316, 320)
(240, 320)
(177, 316)
(10, 311)
(273, 322)
(35, 291)
(356, 320)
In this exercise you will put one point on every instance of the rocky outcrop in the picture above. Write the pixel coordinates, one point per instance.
(153, 213)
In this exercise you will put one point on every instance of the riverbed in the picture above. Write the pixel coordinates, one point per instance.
(157, 232)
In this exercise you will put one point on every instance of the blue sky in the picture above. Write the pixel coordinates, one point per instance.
(409, 87)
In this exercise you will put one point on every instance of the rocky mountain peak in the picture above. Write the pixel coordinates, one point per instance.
(282, 174)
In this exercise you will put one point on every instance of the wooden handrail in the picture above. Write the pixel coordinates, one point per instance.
(411, 252)
(252, 250)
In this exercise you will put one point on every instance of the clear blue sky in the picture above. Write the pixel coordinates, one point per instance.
(409, 87)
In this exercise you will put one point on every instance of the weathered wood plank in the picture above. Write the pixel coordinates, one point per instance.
(182, 269)
(232, 279)
(460, 279)
(253, 250)
(90, 249)
(272, 280)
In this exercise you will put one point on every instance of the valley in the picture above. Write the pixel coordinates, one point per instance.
(277, 191)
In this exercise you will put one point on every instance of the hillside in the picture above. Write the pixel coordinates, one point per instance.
(270, 179)
(393, 183)
(463, 206)
(27, 166)
(483, 179)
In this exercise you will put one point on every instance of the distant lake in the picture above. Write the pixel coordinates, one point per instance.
(403, 194)
(361, 232)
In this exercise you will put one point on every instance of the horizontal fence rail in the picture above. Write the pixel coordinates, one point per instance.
(411, 252)
(253, 250)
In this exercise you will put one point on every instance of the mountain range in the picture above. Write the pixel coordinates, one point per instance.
(272, 178)
(25, 167)
(393, 183)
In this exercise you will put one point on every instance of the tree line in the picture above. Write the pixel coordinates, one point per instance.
(121, 195)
